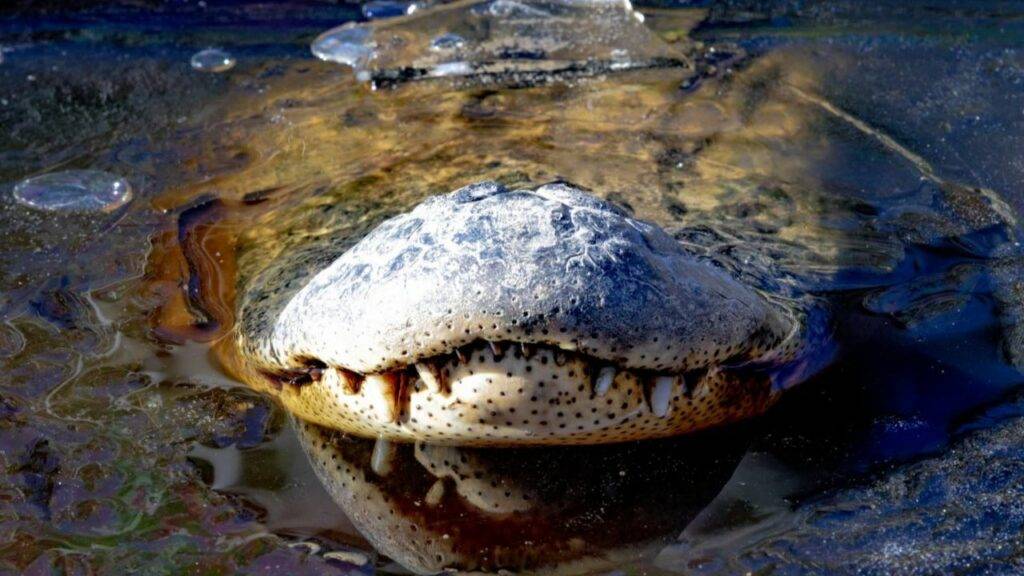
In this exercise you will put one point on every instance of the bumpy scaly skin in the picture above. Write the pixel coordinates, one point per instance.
(489, 316)
(551, 266)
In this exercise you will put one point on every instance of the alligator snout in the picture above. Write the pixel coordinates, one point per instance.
(491, 316)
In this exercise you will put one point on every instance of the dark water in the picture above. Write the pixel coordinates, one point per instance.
(124, 448)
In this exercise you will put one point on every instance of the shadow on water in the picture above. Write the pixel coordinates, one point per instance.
(125, 445)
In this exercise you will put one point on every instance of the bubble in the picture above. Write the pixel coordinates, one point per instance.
(212, 60)
(377, 9)
(349, 44)
(447, 42)
(451, 69)
(74, 191)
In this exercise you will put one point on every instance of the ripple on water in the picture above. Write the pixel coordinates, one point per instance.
(74, 191)
(212, 60)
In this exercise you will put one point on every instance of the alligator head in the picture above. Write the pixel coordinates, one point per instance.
(491, 316)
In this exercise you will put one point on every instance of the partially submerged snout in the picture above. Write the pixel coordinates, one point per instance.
(491, 316)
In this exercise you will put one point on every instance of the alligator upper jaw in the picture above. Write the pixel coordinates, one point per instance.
(553, 266)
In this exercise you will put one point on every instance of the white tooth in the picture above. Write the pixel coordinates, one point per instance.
(604, 380)
(661, 395)
(495, 348)
(427, 375)
(527, 350)
(436, 492)
(460, 356)
(384, 393)
(380, 460)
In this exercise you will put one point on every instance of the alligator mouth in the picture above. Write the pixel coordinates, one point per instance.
(493, 393)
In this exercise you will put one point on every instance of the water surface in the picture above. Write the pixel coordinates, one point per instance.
(125, 447)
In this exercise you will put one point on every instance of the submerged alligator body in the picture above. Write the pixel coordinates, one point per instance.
(525, 314)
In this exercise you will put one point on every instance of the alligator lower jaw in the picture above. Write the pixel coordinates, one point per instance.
(487, 394)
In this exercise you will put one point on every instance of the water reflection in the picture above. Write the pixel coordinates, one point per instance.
(569, 510)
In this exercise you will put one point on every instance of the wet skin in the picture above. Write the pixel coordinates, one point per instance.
(416, 332)
(500, 317)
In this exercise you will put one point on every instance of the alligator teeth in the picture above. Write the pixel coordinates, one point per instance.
(436, 492)
(661, 395)
(433, 378)
(380, 459)
(350, 381)
(390, 387)
(427, 375)
(604, 380)
(495, 348)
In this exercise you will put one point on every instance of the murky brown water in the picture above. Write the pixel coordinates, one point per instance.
(823, 139)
